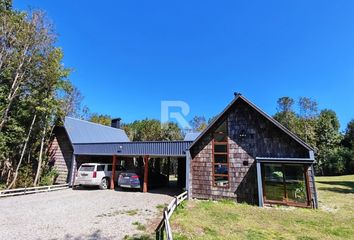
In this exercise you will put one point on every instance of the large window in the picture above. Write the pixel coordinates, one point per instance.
(285, 183)
(220, 157)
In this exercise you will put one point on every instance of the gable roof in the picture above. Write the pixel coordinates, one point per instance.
(81, 131)
(271, 119)
(191, 136)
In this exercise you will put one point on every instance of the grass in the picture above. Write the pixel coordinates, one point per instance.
(161, 207)
(132, 212)
(228, 220)
(138, 237)
(139, 226)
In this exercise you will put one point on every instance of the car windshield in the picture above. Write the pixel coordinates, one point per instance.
(87, 168)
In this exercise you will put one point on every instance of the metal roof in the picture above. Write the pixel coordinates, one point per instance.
(285, 160)
(157, 148)
(191, 136)
(81, 131)
(272, 120)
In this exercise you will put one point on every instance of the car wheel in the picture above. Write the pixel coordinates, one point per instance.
(104, 184)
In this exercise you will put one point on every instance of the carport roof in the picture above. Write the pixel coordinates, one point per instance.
(155, 148)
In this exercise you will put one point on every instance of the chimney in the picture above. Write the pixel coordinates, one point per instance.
(115, 122)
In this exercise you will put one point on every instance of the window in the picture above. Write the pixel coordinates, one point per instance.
(220, 157)
(87, 168)
(285, 183)
(100, 168)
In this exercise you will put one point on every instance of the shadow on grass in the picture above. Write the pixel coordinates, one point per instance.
(349, 186)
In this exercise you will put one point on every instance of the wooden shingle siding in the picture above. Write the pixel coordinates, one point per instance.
(60, 154)
(262, 139)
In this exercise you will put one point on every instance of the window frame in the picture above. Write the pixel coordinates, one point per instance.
(285, 200)
(223, 154)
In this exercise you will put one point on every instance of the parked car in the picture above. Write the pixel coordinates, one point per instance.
(130, 179)
(134, 179)
(96, 174)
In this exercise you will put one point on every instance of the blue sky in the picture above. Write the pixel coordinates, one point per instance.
(128, 56)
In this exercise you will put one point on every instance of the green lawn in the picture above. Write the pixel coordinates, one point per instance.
(229, 220)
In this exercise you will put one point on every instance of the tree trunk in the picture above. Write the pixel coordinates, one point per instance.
(39, 167)
(14, 87)
(23, 152)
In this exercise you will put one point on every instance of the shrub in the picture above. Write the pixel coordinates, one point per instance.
(25, 176)
(48, 177)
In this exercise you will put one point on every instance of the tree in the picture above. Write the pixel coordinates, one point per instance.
(285, 113)
(198, 123)
(327, 141)
(285, 104)
(32, 81)
(348, 147)
(348, 140)
(100, 119)
(307, 120)
(152, 130)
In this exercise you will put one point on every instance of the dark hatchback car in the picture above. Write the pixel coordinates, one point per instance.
(129, 179)
(132, 179)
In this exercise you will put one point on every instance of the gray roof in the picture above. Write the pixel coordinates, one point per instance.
(191, 136)
(272, 120)
(157, 148)
(81, 131)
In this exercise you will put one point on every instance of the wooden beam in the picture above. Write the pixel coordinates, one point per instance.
(168, 170)
(113, 175)
(146, 173)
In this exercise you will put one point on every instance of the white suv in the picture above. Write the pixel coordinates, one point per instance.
(96, 174)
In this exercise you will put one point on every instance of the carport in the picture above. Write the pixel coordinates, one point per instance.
(130, 150)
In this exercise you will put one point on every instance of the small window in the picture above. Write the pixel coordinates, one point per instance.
(218, 148)
(221, 169)
(220, 158)
(220, 137)
(100, 168)
(109, 168)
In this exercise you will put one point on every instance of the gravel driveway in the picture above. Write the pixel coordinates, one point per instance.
(77, 214)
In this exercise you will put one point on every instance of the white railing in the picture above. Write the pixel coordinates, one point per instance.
(167, 213)
(31, 190)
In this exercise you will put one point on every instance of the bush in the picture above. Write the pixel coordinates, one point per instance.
(25, 176)
(48, 177)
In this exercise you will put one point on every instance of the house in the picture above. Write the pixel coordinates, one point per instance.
(244, 154)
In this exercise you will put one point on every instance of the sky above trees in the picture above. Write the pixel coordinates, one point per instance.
(127, 56)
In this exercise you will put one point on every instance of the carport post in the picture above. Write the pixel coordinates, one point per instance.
(146, 172)
(114, 160)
